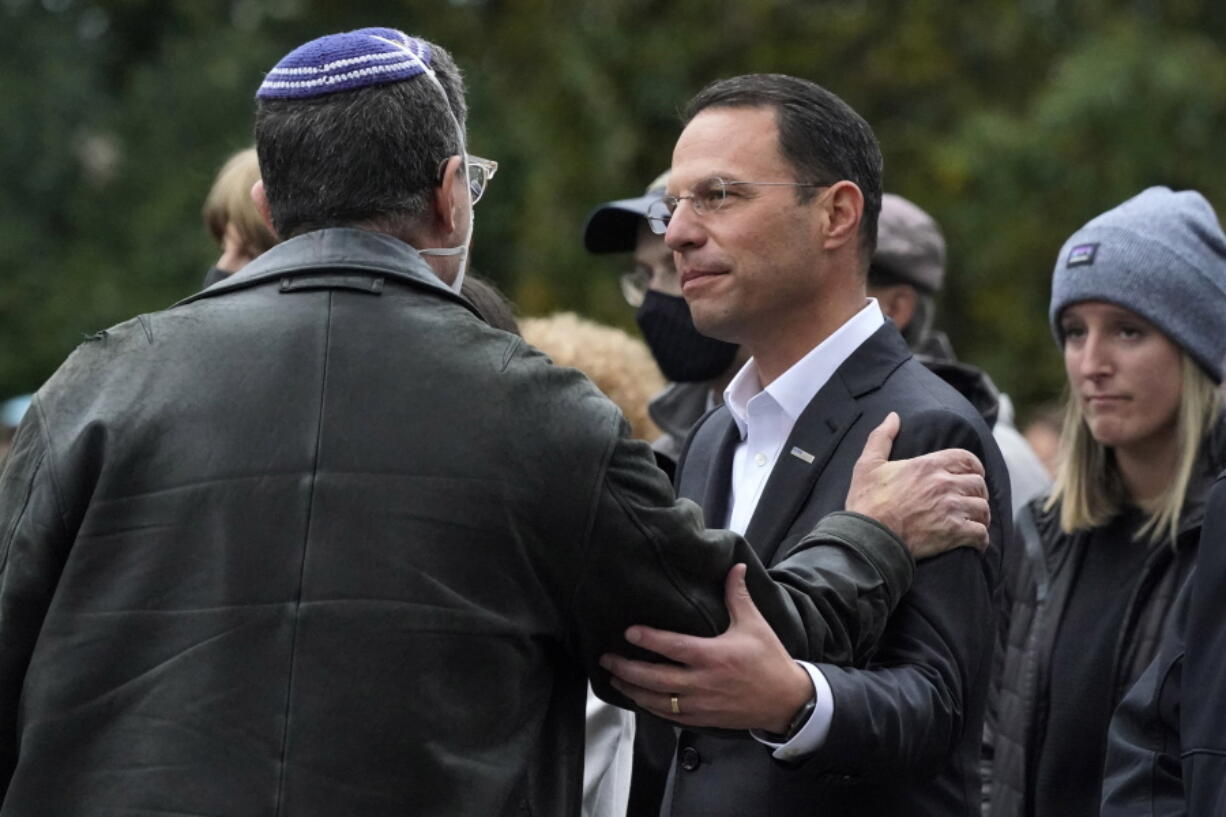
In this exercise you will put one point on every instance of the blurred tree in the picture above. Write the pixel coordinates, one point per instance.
(1012, 122)
(1122, 110)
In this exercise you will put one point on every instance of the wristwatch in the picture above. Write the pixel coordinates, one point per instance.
(798, 720)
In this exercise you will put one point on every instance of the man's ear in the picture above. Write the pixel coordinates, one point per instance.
(259, 197)
(844, 208)
(448, 198)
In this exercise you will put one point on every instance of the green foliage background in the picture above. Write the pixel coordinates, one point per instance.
(1011, 121)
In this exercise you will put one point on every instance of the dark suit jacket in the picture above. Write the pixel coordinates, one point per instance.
(904, 739)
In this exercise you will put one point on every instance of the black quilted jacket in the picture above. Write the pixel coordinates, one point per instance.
(1038, 576)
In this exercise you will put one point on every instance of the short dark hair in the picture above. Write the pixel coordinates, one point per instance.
(370, 154)
(819, 135)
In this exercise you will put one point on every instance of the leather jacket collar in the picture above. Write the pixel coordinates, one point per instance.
(336, 249)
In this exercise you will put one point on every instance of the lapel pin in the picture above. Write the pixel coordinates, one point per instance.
(801, 454)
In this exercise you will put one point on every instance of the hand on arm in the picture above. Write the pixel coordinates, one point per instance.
(934, 503)
(741, 679)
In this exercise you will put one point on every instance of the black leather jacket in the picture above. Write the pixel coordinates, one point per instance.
(319, 541)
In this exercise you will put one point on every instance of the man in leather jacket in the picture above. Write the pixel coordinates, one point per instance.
(320, 541)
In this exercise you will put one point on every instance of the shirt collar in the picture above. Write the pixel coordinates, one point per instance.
(795, 388)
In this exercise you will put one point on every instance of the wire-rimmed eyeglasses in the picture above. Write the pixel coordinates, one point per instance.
(709, 196)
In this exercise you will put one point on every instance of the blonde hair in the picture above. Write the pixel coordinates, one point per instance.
(619, 365)
(1088, 485)
(229, 202)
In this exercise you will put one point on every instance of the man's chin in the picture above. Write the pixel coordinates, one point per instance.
(718, 328)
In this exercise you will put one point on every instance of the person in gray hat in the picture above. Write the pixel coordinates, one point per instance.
(906, 274)
(1138, 306)
(697, 367)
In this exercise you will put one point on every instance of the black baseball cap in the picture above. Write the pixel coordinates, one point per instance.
(613, 226)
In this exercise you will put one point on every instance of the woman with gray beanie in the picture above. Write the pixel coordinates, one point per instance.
(1138, 307)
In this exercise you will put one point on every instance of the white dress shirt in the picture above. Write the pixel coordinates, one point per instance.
(765, 417)
(608, 758)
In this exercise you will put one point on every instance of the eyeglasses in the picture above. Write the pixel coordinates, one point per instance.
(480, 171)
(706, 197)
(634, 286)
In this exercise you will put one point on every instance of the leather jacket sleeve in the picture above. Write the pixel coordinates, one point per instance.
(32, 552)
(649, 560)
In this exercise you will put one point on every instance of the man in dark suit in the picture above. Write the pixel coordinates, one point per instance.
(774, 195)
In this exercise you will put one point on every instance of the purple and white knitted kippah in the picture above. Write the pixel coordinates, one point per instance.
(344, 62)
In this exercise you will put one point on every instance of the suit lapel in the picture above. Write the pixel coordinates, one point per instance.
(809, 447)
(707, 466)
(817, 434)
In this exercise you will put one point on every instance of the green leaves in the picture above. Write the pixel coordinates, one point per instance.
(1012, 123)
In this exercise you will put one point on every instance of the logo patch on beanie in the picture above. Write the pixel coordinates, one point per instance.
(1082, 255)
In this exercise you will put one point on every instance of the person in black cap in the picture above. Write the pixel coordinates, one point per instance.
(698, 367)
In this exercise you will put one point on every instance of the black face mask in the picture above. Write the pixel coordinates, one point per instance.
(214, 275)
(683, 354)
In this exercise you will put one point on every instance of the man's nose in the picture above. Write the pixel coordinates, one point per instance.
(684, 228)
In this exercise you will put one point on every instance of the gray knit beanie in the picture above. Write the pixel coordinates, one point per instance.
(1160, 254)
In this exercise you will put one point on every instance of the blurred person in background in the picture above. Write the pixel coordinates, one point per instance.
(1138, 306)
(623, 369)
(11, 412)
(231, 219)
(1043, 431)
(493, 305)
(697, 367)
(619, 365)
(906, 274)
